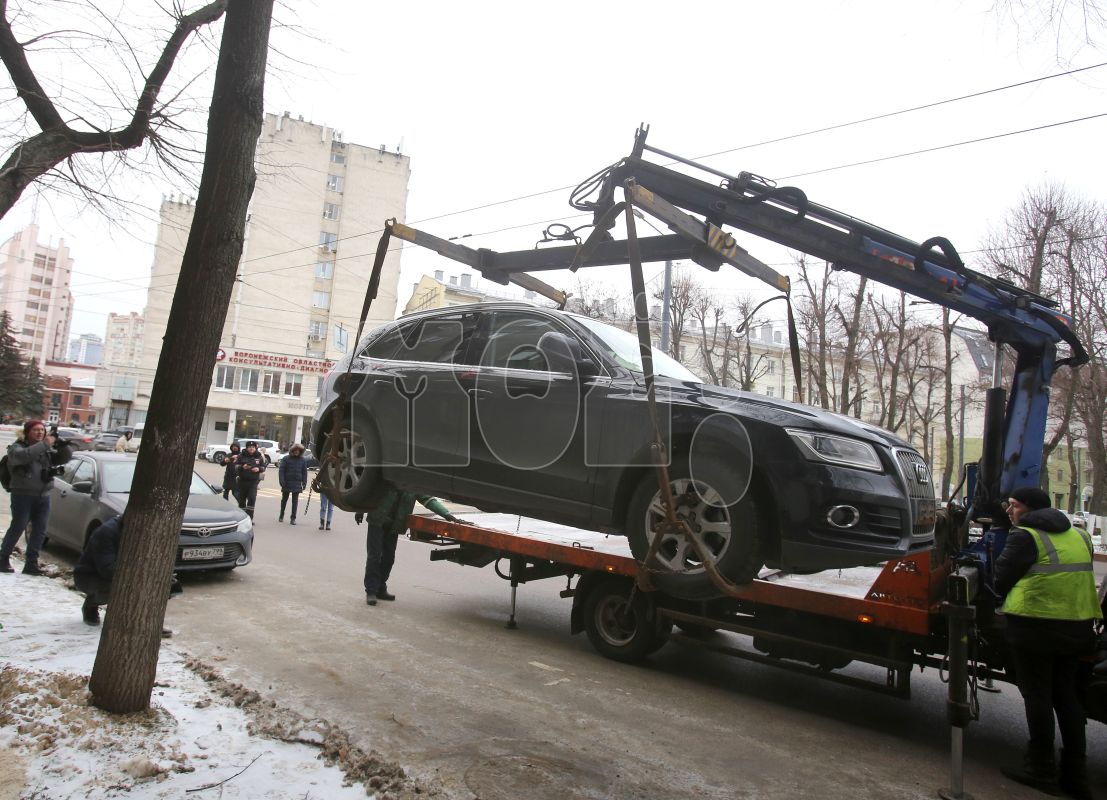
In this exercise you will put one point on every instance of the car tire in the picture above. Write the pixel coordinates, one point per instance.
(219, 457)
(356, 480)
(622, 624)
(729, 532)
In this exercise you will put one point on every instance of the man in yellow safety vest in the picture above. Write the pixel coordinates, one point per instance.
(1045, 570)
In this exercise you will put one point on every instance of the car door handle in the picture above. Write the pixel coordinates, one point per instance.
(475, 392)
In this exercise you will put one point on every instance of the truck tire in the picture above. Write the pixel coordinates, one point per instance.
(356, 478)
(729, 532)
(620, 628)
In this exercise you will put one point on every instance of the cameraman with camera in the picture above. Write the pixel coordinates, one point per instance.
(34, 459)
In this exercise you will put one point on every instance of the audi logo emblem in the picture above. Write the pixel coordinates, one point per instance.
(204, 532)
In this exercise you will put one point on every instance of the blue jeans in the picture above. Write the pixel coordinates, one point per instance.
(380, 555)
(27, 508)
(326, 510)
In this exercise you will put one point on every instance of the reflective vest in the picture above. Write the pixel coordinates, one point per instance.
(1061, 584)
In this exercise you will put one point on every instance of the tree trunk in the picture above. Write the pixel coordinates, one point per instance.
(126, 662)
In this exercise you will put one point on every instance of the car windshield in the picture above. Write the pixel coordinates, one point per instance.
(622, 346)
(118, 475)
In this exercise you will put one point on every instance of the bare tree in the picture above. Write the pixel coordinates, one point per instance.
(126, 661)
(64, 131)
(685, 292)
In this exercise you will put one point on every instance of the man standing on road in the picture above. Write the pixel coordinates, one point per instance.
(1046, 572)
(32, 458)
(383, 528)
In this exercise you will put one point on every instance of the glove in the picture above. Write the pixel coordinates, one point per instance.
(452, 518)
(359, 518)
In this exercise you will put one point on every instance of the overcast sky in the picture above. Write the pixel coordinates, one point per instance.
(495, 101)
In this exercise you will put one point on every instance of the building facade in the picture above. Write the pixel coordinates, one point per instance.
(67, 394)
(314, 221)
(88, 348)
(123, 339)
(34, 290)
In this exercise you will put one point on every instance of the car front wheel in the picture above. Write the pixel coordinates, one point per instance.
(219, 457)
(728, 533)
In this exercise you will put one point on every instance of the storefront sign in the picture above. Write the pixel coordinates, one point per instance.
(272, 361)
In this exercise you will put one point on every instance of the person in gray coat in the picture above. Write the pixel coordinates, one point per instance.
(32, 458)
(293, 476)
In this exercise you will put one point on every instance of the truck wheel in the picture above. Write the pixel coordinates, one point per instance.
(356, 477)
(729, 533)
(219, 457)
(619, 628)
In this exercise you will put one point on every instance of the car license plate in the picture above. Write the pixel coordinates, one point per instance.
(201, 553)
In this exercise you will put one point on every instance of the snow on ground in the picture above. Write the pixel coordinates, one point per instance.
(202, 735)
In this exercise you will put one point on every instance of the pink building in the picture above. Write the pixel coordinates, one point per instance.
(34, 290)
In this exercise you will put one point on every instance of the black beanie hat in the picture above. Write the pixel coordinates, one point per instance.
(1032, 497)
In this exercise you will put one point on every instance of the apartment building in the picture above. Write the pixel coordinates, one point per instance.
(88, 348)
(316, 216)
(34, 290)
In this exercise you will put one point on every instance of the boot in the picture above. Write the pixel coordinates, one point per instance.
(328, 526)
(31, 568)
(6, 564)
(1038, 770)
(281, 517)
(90, 612)
(1074, 775)
(320, 526)
(292, 521)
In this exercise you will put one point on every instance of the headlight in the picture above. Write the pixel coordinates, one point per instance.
(836, 449)
(246, 525)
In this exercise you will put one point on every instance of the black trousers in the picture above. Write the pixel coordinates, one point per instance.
(1047, 683)
(284, 502)
(380, 555)
(247, 495)
(96, 589)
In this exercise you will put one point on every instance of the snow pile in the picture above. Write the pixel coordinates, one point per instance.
(202, 735)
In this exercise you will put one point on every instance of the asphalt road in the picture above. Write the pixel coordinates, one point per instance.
(436, 682)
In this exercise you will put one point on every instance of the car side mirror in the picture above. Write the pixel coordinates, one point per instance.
(216, 488)
(83, 487)
(565, 354)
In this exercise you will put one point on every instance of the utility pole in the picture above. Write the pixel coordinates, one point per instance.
(961, 437)
(666, 316)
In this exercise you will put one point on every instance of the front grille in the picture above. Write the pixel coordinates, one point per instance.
(920, 492)
(201, 531)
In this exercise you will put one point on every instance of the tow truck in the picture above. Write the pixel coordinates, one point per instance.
(933, 609)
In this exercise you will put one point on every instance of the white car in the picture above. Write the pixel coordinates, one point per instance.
(217, 452)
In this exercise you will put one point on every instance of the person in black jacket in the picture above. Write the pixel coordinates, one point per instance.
(1045, 572)
(293, 476)
(230, 479)
(95, 570)
(32, 459)
(249, 467)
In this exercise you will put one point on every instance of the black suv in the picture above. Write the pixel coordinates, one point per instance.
(514, 408)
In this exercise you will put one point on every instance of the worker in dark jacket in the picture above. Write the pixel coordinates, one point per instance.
(32, 459)
(385, 523)
(249, 467)
(1045, 571)
(292, 474)
(95, 570)
(230, 478)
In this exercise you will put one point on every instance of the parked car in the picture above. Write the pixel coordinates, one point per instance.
(78, 439)
(531, 411)
(95, 486)
(312, 461)
(217, 452)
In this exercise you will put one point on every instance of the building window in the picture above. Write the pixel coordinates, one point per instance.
(224, 378)
(55, 400)
(319, 379)
(768, 391)
(271, 383)
(341, 338)
(772, 369)
(248, 380)
(317, 329)
(328, 241)
(1060, 474)
(335, 182)
(324, 269)
(77, 401)
(330, 210)
(293, 383)
(321, 299)
(338, 158)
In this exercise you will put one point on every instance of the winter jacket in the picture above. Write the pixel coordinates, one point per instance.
(229, 474)
(31, 464)
(292, 473)
(101, 551)
(395, 507)
(244, 467)
(121, 444)
(1020, 553)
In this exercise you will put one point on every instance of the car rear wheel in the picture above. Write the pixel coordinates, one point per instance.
(727, 532)
(354, 472)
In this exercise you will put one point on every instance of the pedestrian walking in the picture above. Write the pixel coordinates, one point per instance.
(230, 477)
(383, 528)
(1045, 571)
(33, 459)
(121, 442)
(249, 467)
(292, 474)
(326, 512)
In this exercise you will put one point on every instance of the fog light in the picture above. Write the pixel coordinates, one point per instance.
(843, 516)
(242, 561)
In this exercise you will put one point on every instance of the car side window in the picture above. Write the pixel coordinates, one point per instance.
(438, 340)
(512, 341)
(85, 472)
(386, 345)
(70, 468)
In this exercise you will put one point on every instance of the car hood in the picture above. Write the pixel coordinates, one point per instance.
(201, 509)
(779, 412)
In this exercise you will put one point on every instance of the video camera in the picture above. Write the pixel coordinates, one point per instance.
(57, 438)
